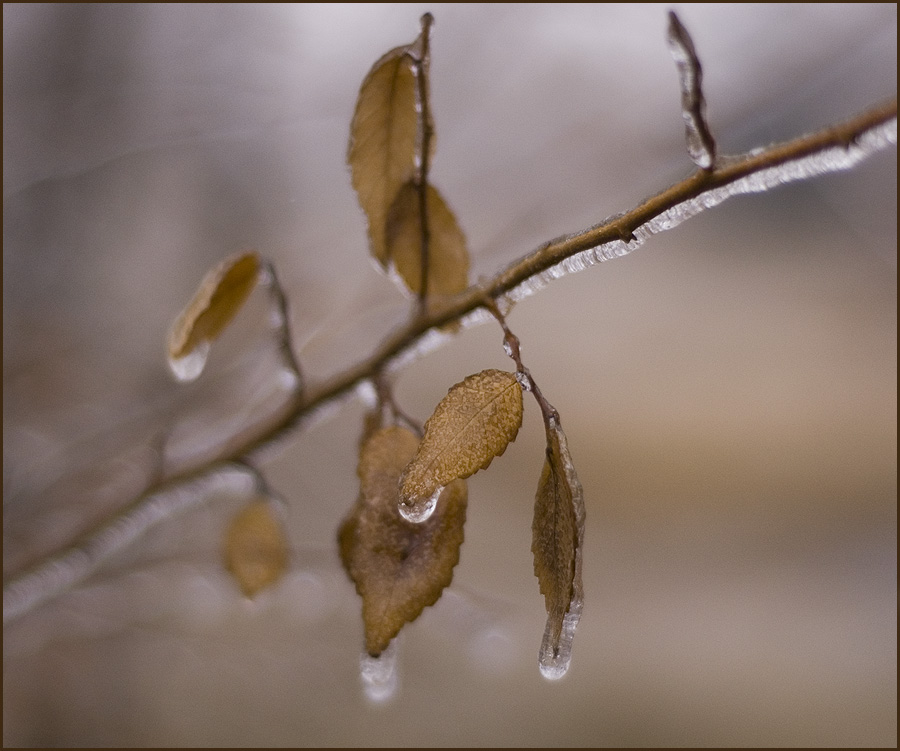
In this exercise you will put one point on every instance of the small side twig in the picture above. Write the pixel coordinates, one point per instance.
(281, 321)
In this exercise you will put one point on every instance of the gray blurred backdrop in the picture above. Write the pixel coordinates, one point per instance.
(728, 390)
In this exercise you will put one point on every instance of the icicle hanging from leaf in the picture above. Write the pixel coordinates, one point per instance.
(256, 547)
(700, 143)
(469, 427)
(398, 568)
(217, 300)
(558, 538)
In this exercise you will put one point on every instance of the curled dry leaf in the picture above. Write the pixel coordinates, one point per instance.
(217, 300)
(384, 137)
(255, 547)
(399, 568)
(557, 541)
(470, 426)
(448, 260)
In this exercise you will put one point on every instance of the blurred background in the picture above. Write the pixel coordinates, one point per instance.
(728, 390)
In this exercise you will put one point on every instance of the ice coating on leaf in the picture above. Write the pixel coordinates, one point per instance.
(555, 657)
(379, 674)
(823, 161)
(220, 296)
(470, 426)
(190, 366)
(420, 509)
(558, 540)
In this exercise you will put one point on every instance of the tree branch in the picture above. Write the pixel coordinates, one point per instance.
(832, 149)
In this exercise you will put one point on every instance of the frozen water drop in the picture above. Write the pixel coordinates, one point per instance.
(555, 667)
(554, 658)
(379, 674)
(190, 366)
(420, 509)
(524, 380)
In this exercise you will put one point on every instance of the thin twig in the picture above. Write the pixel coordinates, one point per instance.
(514, 350)
(283, 327)
(426, 131)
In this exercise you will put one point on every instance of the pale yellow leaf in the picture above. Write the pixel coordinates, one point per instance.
(384, 135)
(448, 259)
(470, 426)
(217, 300)
(399, 568)
(255, 547)
(557, 540)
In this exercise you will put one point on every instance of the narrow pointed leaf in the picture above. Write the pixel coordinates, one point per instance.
(557, 541)
(399, 568)
(448, 259)
(470, 426)
(215, 303)
(700, 143)
(255, 547)
(384, 136)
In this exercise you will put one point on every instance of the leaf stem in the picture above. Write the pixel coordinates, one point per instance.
(426, 131)
(513, 349)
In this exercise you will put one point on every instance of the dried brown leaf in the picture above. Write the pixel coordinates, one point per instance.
(470, 426)
(448, 259)
(384, 137)
(255, 547)
(217, 300)
(399, 568)
(558, 537)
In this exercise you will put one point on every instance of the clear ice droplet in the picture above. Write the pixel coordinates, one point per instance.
(190, 366)
(420, 509)
(379, 674)
(554, 658)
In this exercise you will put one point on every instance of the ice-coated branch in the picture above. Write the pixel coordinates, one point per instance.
(835, 148)
(70, 566)
(700, 143)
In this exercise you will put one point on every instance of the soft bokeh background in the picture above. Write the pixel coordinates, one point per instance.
(729, 390)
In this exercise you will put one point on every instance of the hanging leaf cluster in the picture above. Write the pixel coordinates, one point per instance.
(411, 228)
(401, 540)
